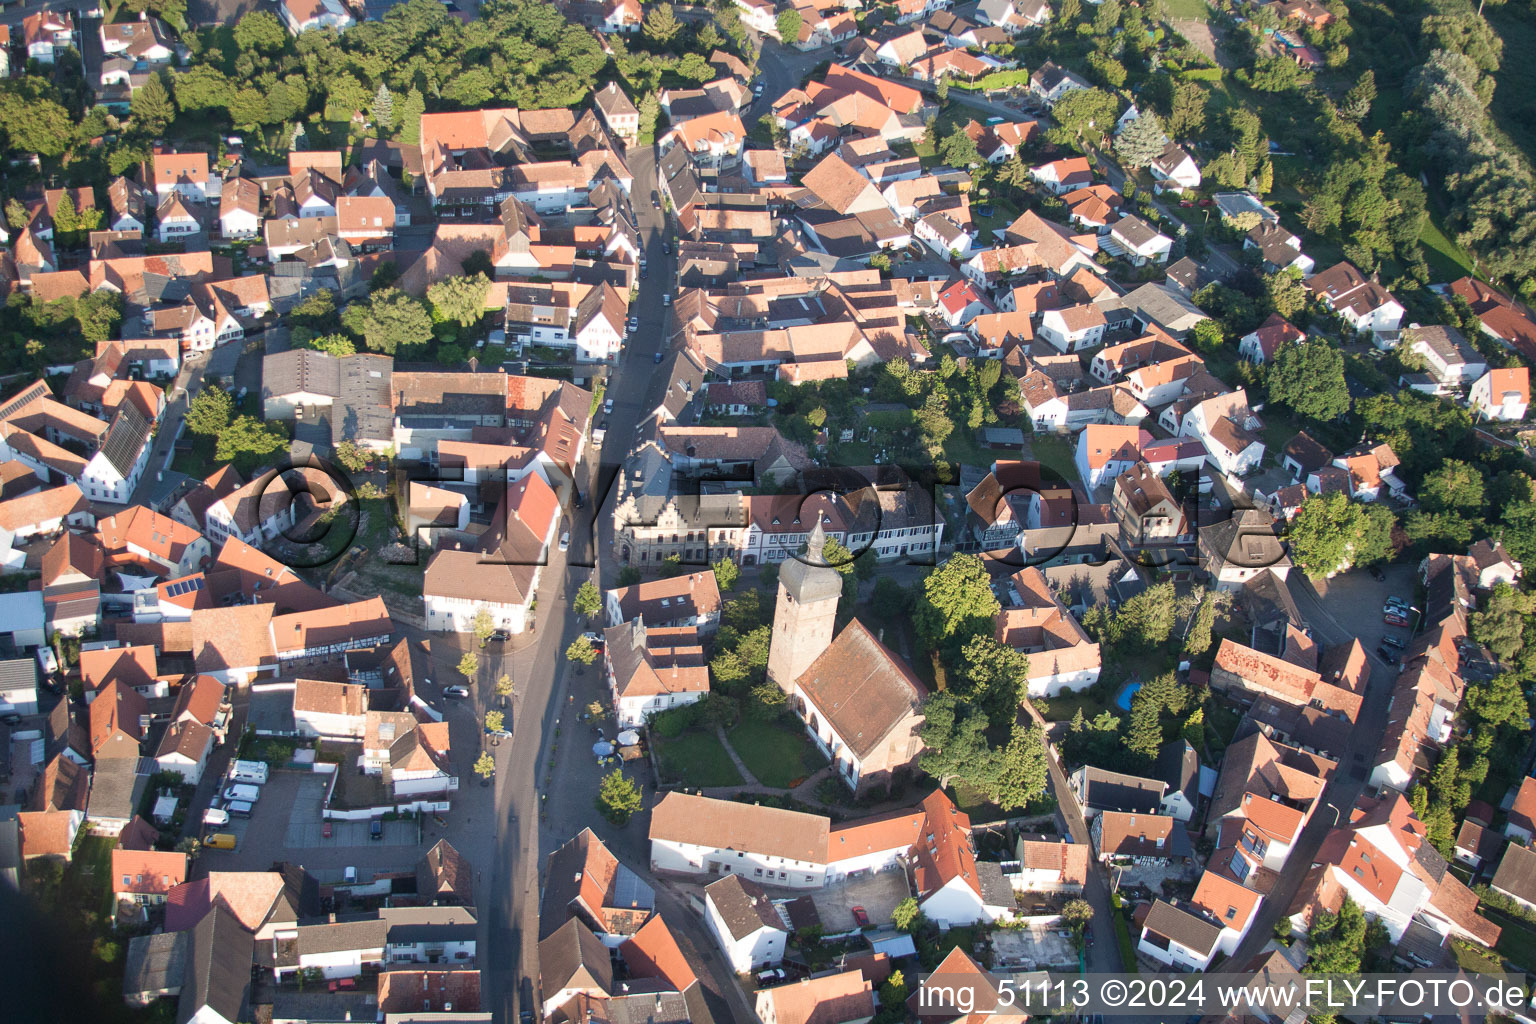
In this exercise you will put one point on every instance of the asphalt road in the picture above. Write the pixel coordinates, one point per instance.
(540, 669)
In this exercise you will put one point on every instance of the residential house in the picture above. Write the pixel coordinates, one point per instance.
(1334, 680)
(1448, 357)
(1521, 823)
(302, 15)
(183, 173)
(1124, 837)
(1013, 16)
(689, 600)
(146, 877)
(1034, 621)
(1516, 875)
(1148, 512)
(652, 669)
(1265, 794)
(711, 140)
(1099, 790)
(1241, 546)
(846, 998)
(1180, 935)
(141, 539)
(1178, 766)
(502, 576)
(330, 710)
(1501, 318)
(1380, 859)
(703, 836)
(1051, 865)
(618, 112)
(1369, 468)
(46, 33)
(1261, 344)
(585, 881)
(1363, 304)
(1074, 328)
(1051, 82)
(1174, 169)
(1063, 176)
(1278, 249)
(1137, 241)
(745, 923)
(1502, 394)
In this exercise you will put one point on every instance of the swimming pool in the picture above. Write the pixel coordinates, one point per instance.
(1123, 700)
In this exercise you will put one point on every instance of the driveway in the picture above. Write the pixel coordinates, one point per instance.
(878, 894)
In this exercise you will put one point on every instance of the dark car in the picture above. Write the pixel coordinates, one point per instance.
(375, 829)
(501, 636)
(1388, 655)
(458, 692)
(11, 718)
(1376, 573)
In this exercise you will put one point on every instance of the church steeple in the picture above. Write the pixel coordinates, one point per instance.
(806, 611)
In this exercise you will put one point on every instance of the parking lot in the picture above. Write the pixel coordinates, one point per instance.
(285, 825)
(878, 894)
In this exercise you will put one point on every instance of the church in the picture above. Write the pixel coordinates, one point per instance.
(859, 700)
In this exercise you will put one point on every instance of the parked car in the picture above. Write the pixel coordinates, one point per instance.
(327, 830)
(501, 636)
(11, 718)
(1376, 573)
(1388, 655)
(565, 541)
(773, 974)
(1395, 619)
(375, 829)
(658, 358)
(456, 692)
(608, 405)
(1393, 642)
(860, 916)
(595, 639)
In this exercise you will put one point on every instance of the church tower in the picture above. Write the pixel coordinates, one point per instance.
(806, 612)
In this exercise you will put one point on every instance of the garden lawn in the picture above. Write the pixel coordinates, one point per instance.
(1055, 453)
(697, 758)
(1187, 10)
(1063, 707)
(777, 754)
(1516, 940)
(1446, 260)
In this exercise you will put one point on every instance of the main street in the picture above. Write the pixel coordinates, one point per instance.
(541, 672)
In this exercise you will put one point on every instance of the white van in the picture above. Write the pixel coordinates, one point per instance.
(47, 660)
(215, 816)
(241, 808)
(252, 772)
(248, 794)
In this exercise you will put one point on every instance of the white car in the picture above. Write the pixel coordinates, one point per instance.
(666, 299)
(565, 541)
(607, 405)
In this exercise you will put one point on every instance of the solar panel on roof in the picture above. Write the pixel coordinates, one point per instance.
(184, 587)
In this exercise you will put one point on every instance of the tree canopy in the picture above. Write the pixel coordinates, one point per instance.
(1331, 533)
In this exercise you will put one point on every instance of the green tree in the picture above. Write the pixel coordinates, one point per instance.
(260, 32)
(1497, 702)
(789, 25)
(338, 345)
(726, 574)
(485, 765)
(495, 721)
(589, 601)
(956, 604)
(1144, 737)
(1199, 639)
(618, 798)
(482, 625)
(1502, 623)
(1308, 376)
(894, 992)
(248, 441)
(1186, 117)
(581, 651)
(352, 458)
(1208, 335)
(459, 299)
(906, 915)
(1285, 293)
(661, 25)
(959, 150)
(1084, 114)
(889, 600)
(650, 110)
(66, 221)
(408, 118)
(1336, 942)
(16, 214)
(1076, 915)
(993, 677)
(388, 320)
(1356, 104)
(209, 411)
(469, 665)
(941, 90)
(382, 112)
(1141, 141)
(1330, 533)
(504, 687)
